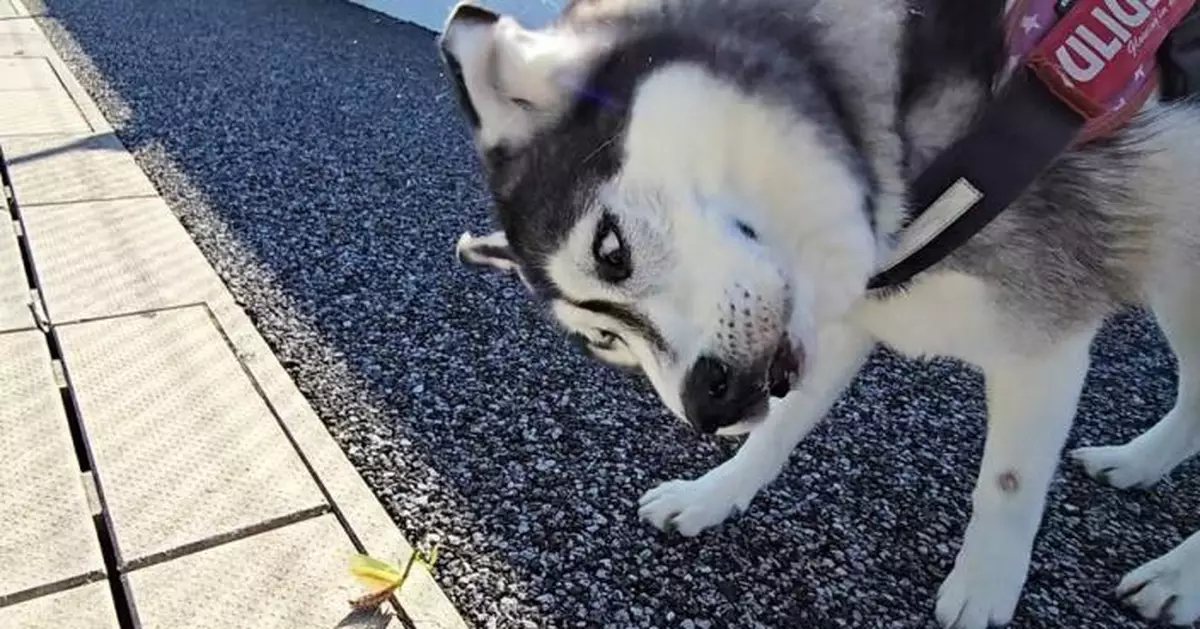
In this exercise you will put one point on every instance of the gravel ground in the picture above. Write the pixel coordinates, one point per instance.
(313, 151)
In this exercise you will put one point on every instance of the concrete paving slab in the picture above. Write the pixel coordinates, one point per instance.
(28, 112)
(86, 105)
(19, 74)
(15, 298)
(83, 102)
(21, 37)
(46, 531)
(104, 258)
(186, 452)
(36, 100)
(424, 603)
(27, 62)
(20, 26)
(72, 168)
(294, 577)
(82, 287)
(86, 607)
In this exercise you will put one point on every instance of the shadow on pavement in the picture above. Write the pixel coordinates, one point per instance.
(97, 142)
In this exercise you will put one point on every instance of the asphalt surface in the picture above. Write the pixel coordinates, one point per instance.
(312, 149)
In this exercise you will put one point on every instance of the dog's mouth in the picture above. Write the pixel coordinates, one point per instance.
(783, 372)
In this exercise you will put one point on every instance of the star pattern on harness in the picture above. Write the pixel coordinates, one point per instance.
(1030, 23)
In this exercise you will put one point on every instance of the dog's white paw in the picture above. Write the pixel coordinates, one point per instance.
(1121, 466)
(690, 506)
(983, 589)
(1168, 588)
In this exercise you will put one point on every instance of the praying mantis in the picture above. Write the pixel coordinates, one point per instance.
(384, 578)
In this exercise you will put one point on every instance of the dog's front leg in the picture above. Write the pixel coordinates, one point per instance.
(690, 506)
(1168, 588)
(1031, 404)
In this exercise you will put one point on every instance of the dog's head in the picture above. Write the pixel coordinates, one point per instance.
(681, 219)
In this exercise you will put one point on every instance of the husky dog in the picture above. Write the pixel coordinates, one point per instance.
(701, 189)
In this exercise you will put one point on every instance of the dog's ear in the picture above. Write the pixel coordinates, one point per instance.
(491, 251)
(510, 80)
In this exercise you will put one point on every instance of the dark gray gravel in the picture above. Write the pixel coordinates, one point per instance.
(312, 149)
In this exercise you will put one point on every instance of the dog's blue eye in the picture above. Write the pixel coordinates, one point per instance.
(747, 231)
(612, 256)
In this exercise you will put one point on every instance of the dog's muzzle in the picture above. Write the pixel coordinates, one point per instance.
(717, 394)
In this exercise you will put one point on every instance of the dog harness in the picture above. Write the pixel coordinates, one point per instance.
(1077, 70)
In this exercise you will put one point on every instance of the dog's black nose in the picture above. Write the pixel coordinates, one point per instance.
(712, 376)
(716, 395)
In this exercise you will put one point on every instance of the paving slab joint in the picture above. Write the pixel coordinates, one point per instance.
(147, 312)
(330, 499)
(70, 94)
(108, 549)
(46, 589)
(224, 538)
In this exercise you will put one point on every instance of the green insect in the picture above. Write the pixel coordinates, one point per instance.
(384, 578)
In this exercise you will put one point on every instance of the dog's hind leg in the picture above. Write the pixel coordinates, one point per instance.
(1176, 437)
(1031, 405)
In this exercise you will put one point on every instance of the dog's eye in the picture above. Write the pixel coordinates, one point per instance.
(522, 103)
(612, 256)
(605, 340)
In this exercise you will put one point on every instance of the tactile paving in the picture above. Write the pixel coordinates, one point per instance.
(106, 258)
(71, 168)
(21, 37)
(86, 607)
(46, 530)
(15, 297)
(290, 578)
(185, 449)
(19, 74)
(35, 101)
(28, 112)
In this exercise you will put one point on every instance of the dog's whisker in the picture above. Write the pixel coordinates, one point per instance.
(603, 145)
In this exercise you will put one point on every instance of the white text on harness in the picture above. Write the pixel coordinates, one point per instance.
(1084, 54)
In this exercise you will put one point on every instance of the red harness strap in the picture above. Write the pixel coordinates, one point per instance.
(1101, 58)
(1029, 22)
(1086, 76)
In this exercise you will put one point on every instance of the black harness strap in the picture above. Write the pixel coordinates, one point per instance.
(1018, 137)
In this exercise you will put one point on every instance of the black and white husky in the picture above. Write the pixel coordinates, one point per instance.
(701, 189)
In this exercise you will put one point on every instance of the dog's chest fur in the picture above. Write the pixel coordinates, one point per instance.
(945, 314)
